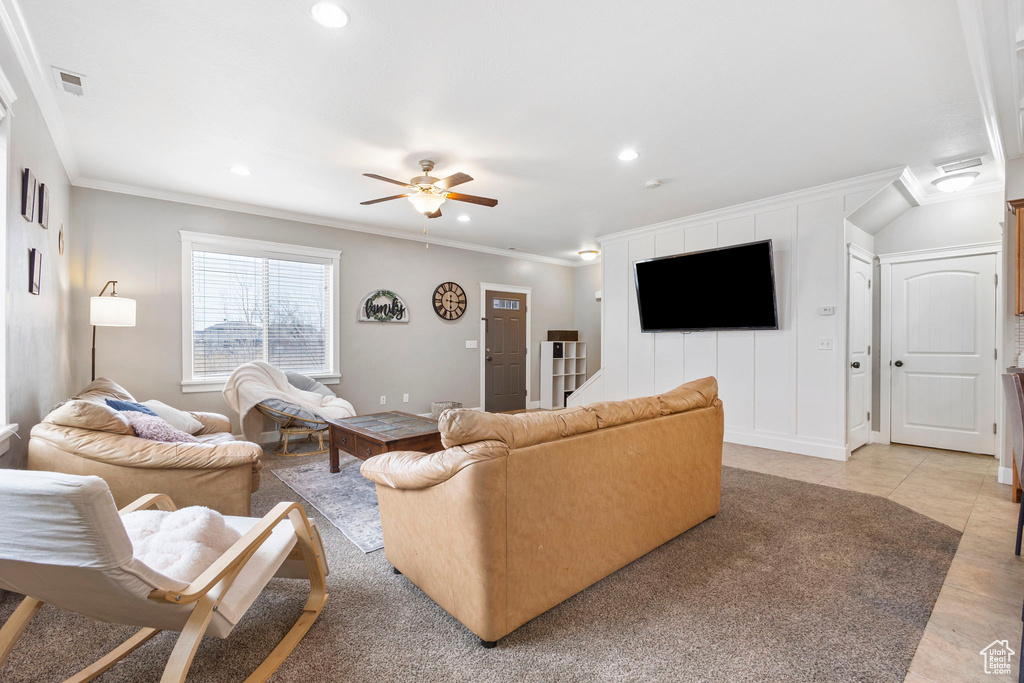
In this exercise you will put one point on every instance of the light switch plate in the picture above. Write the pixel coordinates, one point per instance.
(826, 310)
(405, 398)
(471, 344)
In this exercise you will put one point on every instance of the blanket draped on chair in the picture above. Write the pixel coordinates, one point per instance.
(253, 383)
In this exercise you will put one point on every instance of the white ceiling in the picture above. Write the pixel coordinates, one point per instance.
(726, 101)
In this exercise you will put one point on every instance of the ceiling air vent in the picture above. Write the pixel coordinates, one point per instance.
(69, 81)
(960, 165)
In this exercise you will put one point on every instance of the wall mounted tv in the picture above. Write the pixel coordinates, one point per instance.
(731, 288)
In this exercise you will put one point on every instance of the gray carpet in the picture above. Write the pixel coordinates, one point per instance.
(346, 498)
(790, 582)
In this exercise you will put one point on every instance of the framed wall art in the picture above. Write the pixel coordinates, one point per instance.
(28, 195)
(35, 270)
(44, 205)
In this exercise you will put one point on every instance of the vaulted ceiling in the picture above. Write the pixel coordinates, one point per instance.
(725, 101)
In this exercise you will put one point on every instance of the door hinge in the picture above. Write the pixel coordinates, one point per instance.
(995, 353)
(869, 416)
(996, 277)
(993, 427)
(869, 349)
(869, 284)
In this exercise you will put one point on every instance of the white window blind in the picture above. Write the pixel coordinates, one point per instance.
(248, 307)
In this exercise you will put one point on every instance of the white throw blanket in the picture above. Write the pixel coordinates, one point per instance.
(253, 383)
(180, 544)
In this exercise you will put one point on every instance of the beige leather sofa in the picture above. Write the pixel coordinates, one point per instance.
(523, 511)
(85, 436)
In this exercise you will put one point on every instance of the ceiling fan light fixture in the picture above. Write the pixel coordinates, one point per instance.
(426, 202)
(330, 15)
(464, 218)
(955, 183)
(588, 254)
(628, 155)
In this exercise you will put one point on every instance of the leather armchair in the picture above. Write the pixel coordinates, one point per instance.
(85, 437)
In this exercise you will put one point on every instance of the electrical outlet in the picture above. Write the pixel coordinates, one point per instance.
(826, 310)
(471, 343)
(383, 400)
(825, 344)
(405, 398)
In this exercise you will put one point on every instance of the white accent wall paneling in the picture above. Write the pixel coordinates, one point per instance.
(779, 389)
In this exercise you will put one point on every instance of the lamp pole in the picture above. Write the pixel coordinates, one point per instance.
(112, 293)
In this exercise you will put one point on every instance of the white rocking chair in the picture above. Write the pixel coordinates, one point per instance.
(63, 543)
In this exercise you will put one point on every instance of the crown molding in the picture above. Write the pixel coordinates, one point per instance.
(298, 217)
(14, 27)
(977, 56)
(865, 182)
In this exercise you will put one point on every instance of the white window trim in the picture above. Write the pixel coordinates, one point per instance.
(243, 245)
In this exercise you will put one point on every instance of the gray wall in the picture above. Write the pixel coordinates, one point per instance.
(38, 364)
(135, 240)
(587, 282)
(946, 224)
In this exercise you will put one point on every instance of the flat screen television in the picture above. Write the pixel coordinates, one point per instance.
(731, 288)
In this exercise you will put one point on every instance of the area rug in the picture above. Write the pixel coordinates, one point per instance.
(346, 498)
(790, 582)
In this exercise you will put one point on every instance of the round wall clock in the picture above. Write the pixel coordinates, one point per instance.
(449, 301)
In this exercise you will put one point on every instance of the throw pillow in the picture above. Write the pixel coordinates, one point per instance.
(148, 426)
(180, 544)
(179, 419)
(129, 405)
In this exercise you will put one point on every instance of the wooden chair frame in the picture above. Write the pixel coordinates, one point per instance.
(289, 425)
(206, 591)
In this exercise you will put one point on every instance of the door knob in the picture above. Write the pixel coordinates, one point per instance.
(855, 364)
(487, 358)
(898, 364)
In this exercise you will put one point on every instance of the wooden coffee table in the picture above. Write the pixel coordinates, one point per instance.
(365, 436)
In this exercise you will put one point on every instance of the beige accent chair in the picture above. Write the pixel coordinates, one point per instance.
(523, 511)
(85, 436)
(71, 550)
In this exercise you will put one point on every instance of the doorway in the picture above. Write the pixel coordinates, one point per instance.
(860, 362)
(940, 346)
(505, 337)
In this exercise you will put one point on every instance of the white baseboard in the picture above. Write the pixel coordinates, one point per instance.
(530, 405)
(1005, 475)
(876, 437)
(790, 444)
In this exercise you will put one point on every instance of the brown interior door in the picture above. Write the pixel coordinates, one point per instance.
(505, 352)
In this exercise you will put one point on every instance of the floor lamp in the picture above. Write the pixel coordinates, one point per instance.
(110, 311)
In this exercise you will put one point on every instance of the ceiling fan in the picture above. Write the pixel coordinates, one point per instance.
(427, 193)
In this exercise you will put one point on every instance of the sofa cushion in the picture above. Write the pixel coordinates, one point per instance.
(700, 393)
(104, 388)
(614, 413)
(516, 431)
(92, 415)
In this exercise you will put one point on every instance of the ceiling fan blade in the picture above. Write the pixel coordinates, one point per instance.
(453, 180)
(436, 214)
(388, 180)
(383, 199)
(472, 199)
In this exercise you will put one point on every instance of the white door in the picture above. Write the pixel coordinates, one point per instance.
(943, 345)
(859, 363)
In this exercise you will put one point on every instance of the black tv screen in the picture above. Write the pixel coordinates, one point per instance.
(731, 288)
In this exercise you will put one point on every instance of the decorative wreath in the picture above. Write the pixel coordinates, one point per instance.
(395, 303)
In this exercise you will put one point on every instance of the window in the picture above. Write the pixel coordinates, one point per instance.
(246, 300)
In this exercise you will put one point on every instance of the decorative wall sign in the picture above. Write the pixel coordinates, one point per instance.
(449, 301)
(44, 205)
(28, 195)
(382, 306)
(35, 270)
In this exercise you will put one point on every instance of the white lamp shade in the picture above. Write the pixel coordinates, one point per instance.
(112, 311)
(427, 202)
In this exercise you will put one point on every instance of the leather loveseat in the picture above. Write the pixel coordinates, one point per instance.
(85, 436)
(520, 512)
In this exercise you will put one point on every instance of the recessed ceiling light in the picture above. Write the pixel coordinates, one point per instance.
(589, 254)
(955, 183)
(464, 218)
(628, 155)
(330, 15)
(240, 170)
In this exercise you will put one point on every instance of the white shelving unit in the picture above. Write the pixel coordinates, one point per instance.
(559, 375)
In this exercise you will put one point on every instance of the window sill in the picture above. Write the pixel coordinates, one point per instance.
(6, 432)
(196, 386)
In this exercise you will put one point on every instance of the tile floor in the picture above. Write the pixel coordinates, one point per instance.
(981, 599)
